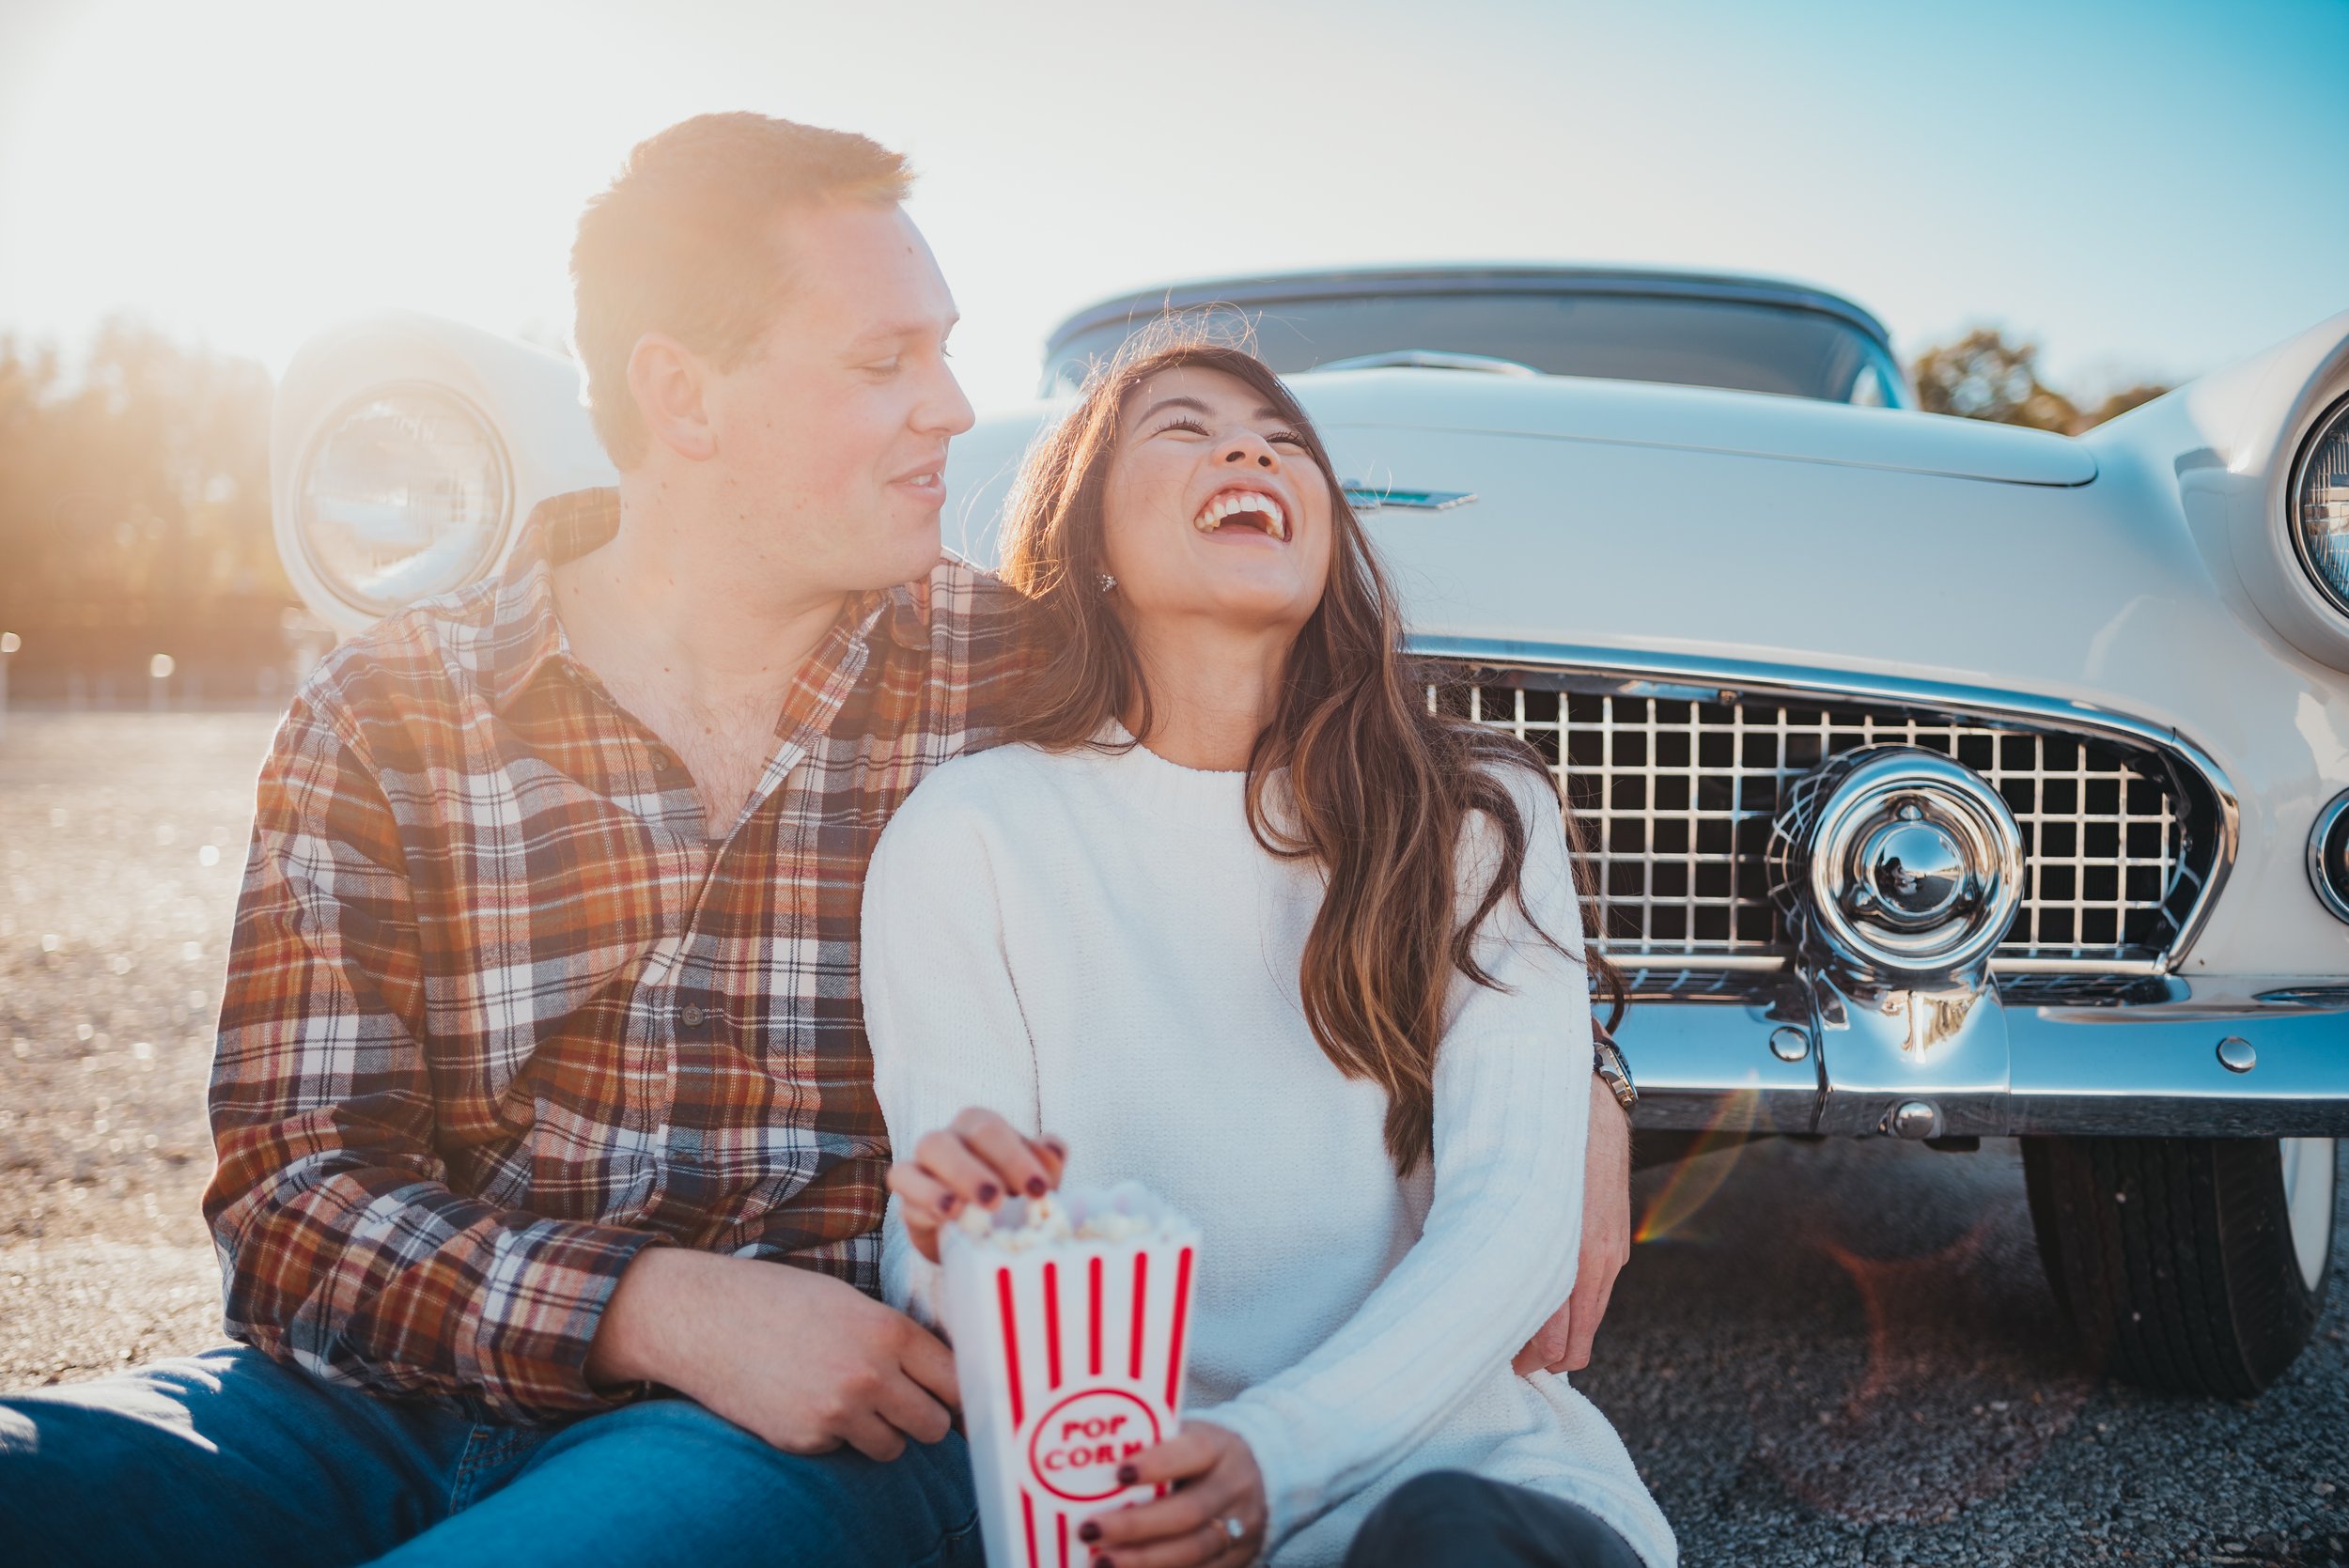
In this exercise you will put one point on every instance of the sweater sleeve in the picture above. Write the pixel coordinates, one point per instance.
(941, 1010)
(1497, 1254)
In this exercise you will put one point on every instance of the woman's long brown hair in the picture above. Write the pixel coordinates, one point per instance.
(1379, 784)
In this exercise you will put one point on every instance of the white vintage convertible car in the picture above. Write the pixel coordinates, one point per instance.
(1946, 780)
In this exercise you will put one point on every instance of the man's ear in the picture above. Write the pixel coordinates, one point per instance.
(666, 380)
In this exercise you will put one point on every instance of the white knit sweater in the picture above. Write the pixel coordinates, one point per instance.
(1097, 947)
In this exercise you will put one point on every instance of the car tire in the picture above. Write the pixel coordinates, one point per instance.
(2193, 1265)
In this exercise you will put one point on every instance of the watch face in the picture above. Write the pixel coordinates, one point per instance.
(1616, 1073)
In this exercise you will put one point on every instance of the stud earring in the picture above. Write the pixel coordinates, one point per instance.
(1108, 583)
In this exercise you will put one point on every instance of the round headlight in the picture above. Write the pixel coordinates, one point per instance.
(1899, 863)
(404, 494)
(2328, 856)
(2319, 506)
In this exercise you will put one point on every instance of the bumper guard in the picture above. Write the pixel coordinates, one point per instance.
(1794, 1052)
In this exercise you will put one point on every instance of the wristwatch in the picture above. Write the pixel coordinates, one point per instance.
(1612, 1070)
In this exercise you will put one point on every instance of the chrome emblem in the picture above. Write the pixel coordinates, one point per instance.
(1368, 497)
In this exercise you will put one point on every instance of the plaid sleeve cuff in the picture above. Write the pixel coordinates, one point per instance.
(544, 1287)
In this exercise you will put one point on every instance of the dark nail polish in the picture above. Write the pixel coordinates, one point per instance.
(1035, 1186)
(954, 1202)
(1088, 1531)
(1103, 1562)
(1128, 1475)
(989, 1192)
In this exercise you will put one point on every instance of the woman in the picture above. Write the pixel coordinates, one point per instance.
(1238, 916)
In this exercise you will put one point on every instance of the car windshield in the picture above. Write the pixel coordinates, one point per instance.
(1737, 343)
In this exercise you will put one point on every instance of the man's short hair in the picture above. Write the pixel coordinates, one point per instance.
(685, 242)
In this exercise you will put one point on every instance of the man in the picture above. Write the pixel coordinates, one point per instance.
(541, 1043)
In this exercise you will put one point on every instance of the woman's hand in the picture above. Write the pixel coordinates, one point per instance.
(978, 1159)
(1215, 1480)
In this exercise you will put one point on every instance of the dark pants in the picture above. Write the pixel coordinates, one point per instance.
(1452, 1519)
(230, 1458)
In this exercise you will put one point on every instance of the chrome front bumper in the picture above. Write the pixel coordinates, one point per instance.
(1980, 1065)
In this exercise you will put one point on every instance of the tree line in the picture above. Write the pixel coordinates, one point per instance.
(134, 506)
(135, 520)
(1987, 374)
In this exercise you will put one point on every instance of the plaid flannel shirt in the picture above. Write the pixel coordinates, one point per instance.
(499, 1014)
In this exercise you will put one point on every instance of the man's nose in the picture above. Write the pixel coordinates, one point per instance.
(945, 411)
(1250, 448)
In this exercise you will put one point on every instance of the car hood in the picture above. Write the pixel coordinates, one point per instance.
(1703, 419)
(1679, 520)
(1535, 432)
(1804, 559)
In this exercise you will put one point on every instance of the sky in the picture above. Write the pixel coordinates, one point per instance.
(2149, 189)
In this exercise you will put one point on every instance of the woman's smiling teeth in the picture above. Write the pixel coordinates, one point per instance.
(1250, 508)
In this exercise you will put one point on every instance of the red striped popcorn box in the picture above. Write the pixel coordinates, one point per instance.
(1070, 1322)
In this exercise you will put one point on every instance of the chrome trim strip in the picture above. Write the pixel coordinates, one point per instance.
(1772, 963)
(1429, 359)
(2308, 996)
(1711, 963)
(1367, 497)
(1680, 678)
(2071, 966)
(2146, 1071)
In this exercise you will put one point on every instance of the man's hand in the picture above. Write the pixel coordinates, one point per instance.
(1564, 1343)
(805, 1361)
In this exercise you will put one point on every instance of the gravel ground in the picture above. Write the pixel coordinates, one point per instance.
(1840, 1352)
(1849, 1355)
(121, 837)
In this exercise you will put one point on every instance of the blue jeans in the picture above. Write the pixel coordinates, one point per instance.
(1452, 1519)
(230, 1458)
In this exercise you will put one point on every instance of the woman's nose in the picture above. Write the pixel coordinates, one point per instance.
(1250, 448)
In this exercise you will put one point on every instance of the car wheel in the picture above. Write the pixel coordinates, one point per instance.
(2193, 1265)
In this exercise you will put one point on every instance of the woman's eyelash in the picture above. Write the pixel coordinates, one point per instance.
(1198, 429)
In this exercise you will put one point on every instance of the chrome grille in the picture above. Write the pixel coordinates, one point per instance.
(1675, 797)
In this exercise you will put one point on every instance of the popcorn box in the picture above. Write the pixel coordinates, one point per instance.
(1069, 1320)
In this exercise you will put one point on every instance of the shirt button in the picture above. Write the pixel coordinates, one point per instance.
(691, 1016)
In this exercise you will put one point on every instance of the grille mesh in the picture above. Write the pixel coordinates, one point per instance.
(1677, 797)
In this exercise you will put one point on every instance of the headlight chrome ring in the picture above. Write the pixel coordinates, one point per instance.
(406, 491)
(2328, 856)
(2319, 499)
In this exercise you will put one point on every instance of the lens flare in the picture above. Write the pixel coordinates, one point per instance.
(1694, 1177)
(1956, 1342)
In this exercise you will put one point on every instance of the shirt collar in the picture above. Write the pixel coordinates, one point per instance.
(526, 633)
